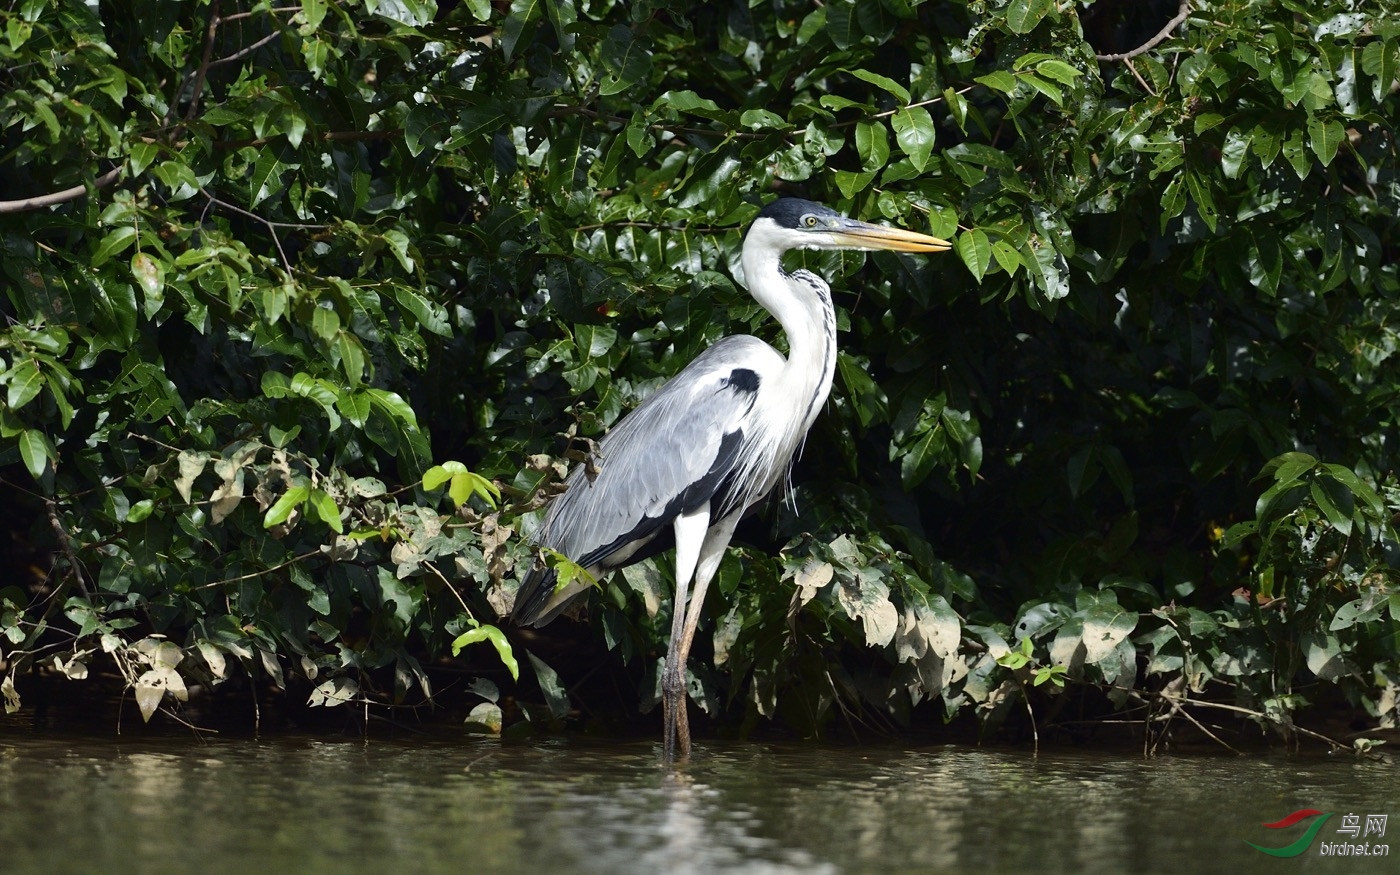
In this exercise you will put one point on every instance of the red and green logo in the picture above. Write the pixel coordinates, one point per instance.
(1303, 841)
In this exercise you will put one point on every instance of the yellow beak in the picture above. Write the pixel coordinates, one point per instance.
(862, 235)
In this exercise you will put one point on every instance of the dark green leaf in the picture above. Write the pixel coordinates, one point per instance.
(37, 451)
(113, 243)
(1324, 136)
(883, 82)
(25, 383)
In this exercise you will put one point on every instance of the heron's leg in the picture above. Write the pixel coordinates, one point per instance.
(711, 552)
(690, 537)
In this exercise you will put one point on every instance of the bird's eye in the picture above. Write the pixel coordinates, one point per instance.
(809, 221)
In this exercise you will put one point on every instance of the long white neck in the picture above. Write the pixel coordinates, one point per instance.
(801, 303)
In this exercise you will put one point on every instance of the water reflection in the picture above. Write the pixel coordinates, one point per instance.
(477, 806)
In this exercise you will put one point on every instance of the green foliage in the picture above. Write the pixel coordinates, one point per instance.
(285, 256)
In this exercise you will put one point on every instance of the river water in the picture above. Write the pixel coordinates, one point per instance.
(480, 806)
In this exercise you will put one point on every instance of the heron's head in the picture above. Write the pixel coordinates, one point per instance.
(793, 223)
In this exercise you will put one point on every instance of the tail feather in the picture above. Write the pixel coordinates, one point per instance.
(533, 597)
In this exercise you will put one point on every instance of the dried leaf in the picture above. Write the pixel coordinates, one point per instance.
(191, 465)
(645, 580)
(486, 717)
(812, 578)
(148, 696)
(336, 691)
(213, 657)
(226, 497)
(11, 695)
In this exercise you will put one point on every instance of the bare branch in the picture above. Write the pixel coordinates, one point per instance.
(1220, 706)
(271, 226)
(328, 135)
(1141, 81)
(1166, 31)
(65, 542)
(245, 52)
(262, 571)
(890, 112)
(238, 16)
(203, 70)
(68, 194)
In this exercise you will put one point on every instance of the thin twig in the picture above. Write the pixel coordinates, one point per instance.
(1035, 732)
(203, 70)
(150, 440)
(299, 226)
(245, 52)
(278, 567)
(68, 194)
(328, 135)
(1178, 709)
(276, 10)
(450, 588)
(271, 226)
(169, 712)
(564, 109)
(1181, 13)
(931, 100)
(67, 544)
(1141, 81)
(1220, 706)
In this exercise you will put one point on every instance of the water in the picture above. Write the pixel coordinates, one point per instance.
(477, 806)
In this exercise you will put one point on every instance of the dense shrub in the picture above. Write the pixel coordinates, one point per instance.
(264, 265)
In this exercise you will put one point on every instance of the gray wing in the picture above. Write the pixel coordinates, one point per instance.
(678, 450)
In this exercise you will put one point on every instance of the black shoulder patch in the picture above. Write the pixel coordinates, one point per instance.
(742, 379)
(715, 486)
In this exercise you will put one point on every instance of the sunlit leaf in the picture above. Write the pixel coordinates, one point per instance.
(497, 640)
(975, 249)
(25, 382)
(113, 243)
(914, 131)
(281, 510)
(324, 506)
(883, 82)
(1023, 15)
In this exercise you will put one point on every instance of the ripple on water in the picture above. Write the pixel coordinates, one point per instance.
(312, 806)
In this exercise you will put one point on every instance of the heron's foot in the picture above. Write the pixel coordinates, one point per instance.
(668, 731)
(682, 729)
(675, 740)
(676, 728)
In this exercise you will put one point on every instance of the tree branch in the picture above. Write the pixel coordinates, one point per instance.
(328, 135)
(68, 194)
(271, 226)
(66, 543)
(239, 16)
(204, 65)
(247, 50)
(1151, 44)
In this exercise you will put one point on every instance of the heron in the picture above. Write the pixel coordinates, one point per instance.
(710, 443)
